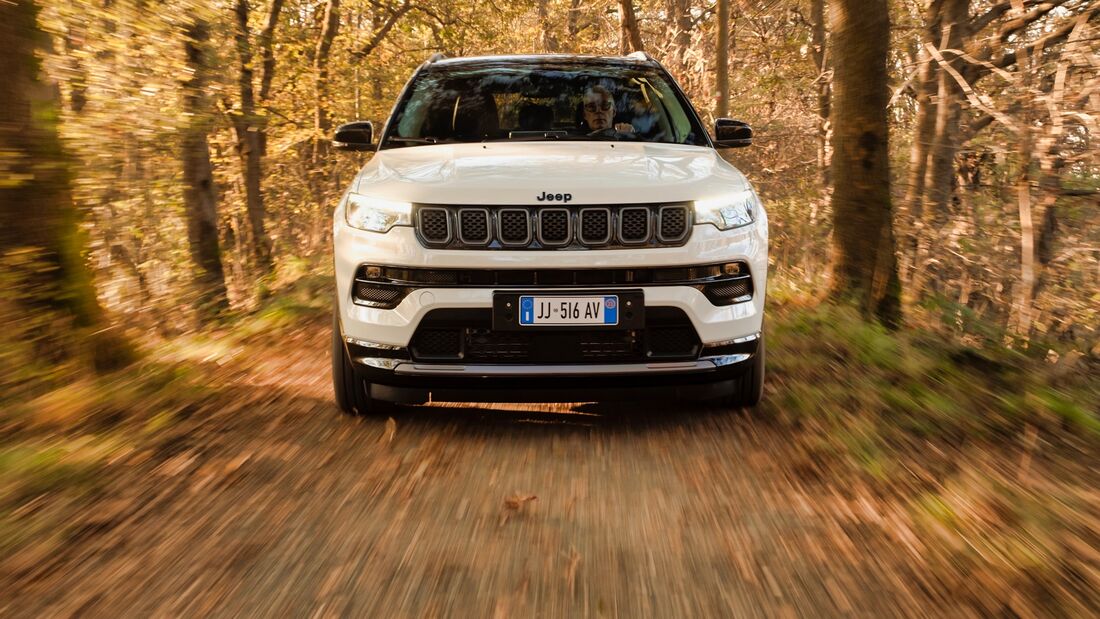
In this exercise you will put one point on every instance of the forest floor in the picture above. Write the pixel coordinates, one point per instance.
(260, 499)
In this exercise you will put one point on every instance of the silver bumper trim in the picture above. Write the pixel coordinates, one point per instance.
(410, 368)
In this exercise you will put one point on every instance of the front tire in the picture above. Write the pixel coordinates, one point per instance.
(352, 393)
(748, 389)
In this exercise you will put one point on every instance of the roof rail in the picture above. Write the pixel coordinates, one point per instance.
(434, 57)
(640, 55)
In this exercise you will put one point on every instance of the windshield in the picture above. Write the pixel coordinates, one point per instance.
(487, 102)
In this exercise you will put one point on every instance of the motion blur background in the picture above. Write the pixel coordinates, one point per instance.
(167, 189)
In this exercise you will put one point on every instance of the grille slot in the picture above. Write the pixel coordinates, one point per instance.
(514, 226)
(595, 226)
(473, 226)
(726, 293)
(672, 342)
(532, 227)
(634, 225)
(385, 296)
(554, 228)
(437, 344)
(435, 225)
(673, 224)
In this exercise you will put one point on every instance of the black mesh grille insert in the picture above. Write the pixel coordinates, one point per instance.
(673, 225)
(468, 335)
(435, 225)
(514, 226)
(486, 344)
(728, 291)
(554, 226)
(634, 225)
(379, 295)
(473, 226)
(595, 227)
(672, 342)
(437, 344)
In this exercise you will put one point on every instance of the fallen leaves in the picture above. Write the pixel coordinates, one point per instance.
(515, 505)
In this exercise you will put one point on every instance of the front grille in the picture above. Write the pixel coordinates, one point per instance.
(595, 227)
(434, 225)
(589, 227)
(554, 228)
(515, 226)
(473, 226)
(467, 335)
(673, 225)
(634, 225)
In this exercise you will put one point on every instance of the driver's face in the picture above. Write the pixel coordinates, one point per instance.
(599, 110)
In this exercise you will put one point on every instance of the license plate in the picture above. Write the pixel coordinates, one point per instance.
(556, 310)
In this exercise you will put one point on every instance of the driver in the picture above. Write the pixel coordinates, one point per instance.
(599, 112)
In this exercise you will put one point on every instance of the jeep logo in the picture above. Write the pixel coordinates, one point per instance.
(554, 197)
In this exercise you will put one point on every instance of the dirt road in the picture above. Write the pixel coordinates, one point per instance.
(268, 502)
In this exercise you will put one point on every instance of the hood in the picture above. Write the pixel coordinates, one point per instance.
(520, 173)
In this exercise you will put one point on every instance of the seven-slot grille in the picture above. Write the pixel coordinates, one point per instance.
(631, 225)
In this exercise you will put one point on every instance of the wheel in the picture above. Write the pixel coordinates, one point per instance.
(352, 393)
(749, 387)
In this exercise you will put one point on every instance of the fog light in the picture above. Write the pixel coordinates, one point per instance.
(733, 268)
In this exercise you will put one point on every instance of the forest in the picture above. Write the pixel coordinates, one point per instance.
(931, 174)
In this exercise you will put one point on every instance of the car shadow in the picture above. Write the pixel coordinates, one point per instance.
(638, 416)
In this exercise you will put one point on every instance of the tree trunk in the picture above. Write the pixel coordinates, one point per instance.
(321, 121)
(630, 37)
(38, 217)
(865, 268)
(722, 62)
(249, 144)
(549, 41)
(680, 25)
(821, 63)
(940, 174)
(199, 192)
(267, 73)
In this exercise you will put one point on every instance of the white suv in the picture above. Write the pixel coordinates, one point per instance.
(547, 228)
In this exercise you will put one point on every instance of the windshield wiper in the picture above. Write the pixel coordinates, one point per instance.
(412, 140)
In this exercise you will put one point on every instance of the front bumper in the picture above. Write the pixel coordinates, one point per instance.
(399, 247)
(713, 375)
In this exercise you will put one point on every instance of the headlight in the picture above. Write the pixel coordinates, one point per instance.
(728, 211)
(376, 214)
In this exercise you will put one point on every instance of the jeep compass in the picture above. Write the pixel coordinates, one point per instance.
(547, 228)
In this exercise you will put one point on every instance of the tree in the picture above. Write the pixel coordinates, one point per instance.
(630, 37)
(250, 145)
(722, 62)
(199, 193)
(820, 56)
(37, 214)
(321, 121)
(865, 268)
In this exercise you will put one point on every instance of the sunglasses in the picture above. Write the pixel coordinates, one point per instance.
(593, 106)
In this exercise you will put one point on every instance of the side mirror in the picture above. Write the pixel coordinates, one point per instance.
(354, 136)
(729, 133)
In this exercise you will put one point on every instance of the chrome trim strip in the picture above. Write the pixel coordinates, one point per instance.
(413, 368)
(568, 227)
(488, 227)
(500, 227)
(580, 227)
(648, 224)
(739, 340)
